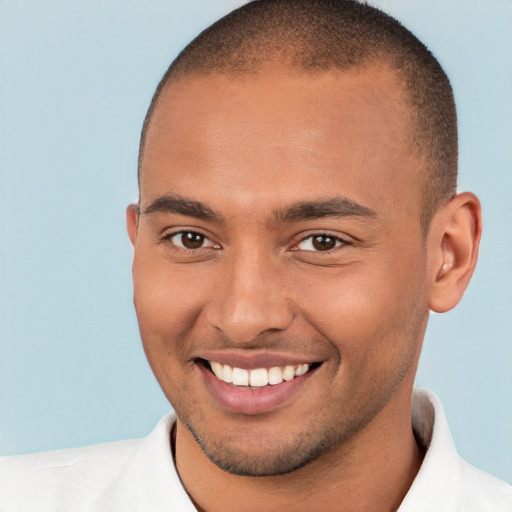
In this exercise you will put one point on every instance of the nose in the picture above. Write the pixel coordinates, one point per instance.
(249, 298)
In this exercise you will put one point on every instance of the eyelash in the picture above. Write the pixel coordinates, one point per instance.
(339, 242)
(169, 238)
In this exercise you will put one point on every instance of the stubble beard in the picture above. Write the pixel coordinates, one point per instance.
(273, 458)
(268, 457)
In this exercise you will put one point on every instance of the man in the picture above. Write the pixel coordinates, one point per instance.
(297, 220)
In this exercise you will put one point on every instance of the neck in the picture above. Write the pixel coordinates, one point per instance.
(371, 471)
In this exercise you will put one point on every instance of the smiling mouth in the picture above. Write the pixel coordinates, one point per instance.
(258, 377)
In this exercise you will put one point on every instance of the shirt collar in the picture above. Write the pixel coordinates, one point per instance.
(435, 486)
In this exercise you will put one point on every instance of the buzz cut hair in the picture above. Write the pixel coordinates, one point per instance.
(315, 36)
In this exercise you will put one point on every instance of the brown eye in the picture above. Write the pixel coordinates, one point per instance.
(191, 240)
(320, 243)
(323, 242)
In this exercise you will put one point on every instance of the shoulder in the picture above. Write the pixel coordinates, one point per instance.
(445, 481)
(52, 475)
(124, 476)
(482, 491)
(62, 459)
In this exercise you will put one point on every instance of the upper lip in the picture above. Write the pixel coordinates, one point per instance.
(251, 360)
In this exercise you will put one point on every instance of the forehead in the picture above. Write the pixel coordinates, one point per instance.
(283, 133)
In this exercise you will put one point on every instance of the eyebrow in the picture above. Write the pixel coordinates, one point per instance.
(182, 206)
(333, 207)
(337, 207)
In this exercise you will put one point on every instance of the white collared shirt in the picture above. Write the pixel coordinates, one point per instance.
(139, 475)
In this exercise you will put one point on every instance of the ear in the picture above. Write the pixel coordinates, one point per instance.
(132, 222)
(453, 241)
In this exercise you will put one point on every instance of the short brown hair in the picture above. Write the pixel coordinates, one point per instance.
(318, 35)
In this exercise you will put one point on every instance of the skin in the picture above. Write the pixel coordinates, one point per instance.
(249, 149)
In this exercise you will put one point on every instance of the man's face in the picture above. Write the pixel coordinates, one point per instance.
(279, 232)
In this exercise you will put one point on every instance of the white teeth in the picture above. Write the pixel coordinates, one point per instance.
(217, 369)
(275, 376)
(227, 373)
(288, 372)
(258, 377)
(240, 377)
(301, 369)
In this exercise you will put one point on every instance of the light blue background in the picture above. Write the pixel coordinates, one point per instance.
(76, 79)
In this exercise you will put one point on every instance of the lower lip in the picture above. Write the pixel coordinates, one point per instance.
(251, 401)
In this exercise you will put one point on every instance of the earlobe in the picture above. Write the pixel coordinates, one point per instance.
(454, 239)
(132, 222)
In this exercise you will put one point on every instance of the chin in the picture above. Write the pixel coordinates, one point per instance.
(268, 461)
(268, 456)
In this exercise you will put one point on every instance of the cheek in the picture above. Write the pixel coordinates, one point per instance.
(166, 312)
(167, 304)
(369, 311)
